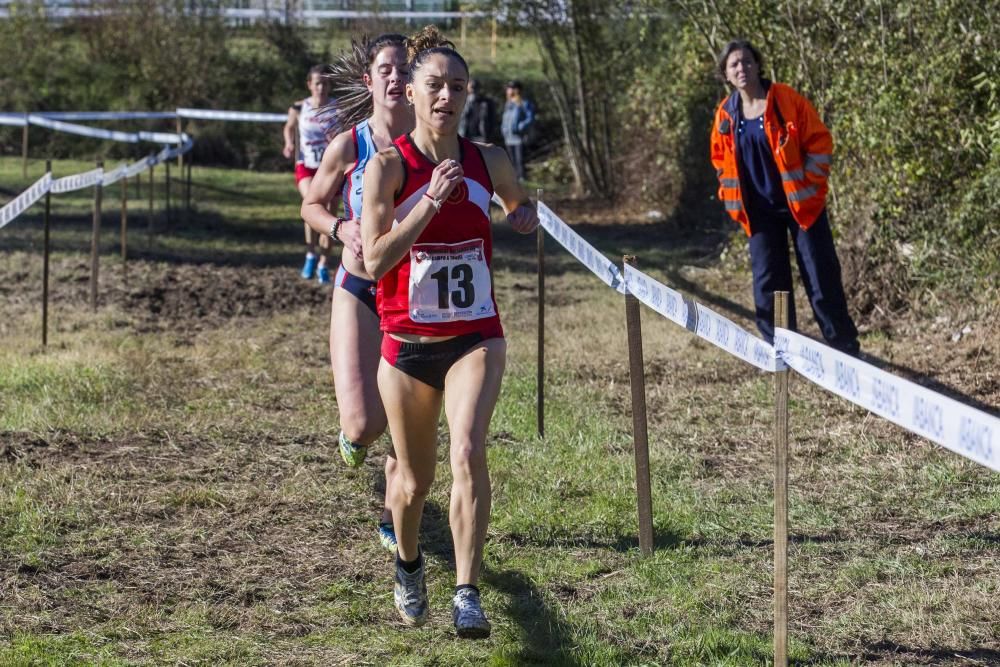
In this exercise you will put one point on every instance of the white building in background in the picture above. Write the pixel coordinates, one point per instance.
(303, 12)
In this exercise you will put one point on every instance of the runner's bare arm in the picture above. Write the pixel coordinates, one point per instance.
(521, 214)
(325, 189)
(383, 244)
(288, 131)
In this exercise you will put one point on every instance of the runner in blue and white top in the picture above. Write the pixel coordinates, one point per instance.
(369, 84)
(312, 121)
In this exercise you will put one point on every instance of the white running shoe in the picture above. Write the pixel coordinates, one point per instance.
(467, 614)
(410, 595)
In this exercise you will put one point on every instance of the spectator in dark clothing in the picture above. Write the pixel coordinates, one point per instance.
(518, 117)
(479, 117)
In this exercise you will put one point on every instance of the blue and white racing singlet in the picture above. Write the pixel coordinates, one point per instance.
(313, 135)
(365, 149)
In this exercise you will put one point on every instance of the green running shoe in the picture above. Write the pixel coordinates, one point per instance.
(387, 536)
(353, 454)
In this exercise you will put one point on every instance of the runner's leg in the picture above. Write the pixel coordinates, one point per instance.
(412, 409)
(472, 388)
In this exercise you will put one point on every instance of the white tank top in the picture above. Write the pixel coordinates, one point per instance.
(364, 147)
(313, 135)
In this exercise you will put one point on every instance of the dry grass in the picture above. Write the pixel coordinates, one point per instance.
(170, 489)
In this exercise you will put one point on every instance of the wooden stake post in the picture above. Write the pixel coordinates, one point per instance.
(45, 264)
(124, 230)
(637, 381)
(540, 367)
(187, 188)
(781, 496)
(24, 148)
(166, 195)
(95, 240)
(152, 188)
(180, 156)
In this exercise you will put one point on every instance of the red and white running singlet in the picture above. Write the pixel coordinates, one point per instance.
(443, 287)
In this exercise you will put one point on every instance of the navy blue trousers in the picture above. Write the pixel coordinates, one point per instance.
(818, 266)
(516, 154)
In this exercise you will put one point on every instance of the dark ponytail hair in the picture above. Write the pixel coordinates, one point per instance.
(428, 42)
(350, 100)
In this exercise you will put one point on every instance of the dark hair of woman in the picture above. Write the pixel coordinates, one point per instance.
(350, 101)
(735, 45)
(428, 42)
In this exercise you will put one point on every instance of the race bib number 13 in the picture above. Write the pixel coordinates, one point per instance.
(449, 282)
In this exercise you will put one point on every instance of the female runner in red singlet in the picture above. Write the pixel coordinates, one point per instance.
(426, 237)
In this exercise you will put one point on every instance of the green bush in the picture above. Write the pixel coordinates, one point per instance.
(911, 93)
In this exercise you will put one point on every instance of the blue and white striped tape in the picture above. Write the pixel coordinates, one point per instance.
(140, 166)
(13, 119)
(24, 200)
(956, 426)
(100, 133)
(87, 179)
(588, 255)
(107, 115)
(246, 116)
(700, 320)
(115, 175)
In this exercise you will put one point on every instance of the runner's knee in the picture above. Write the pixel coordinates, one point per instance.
(360, 426)
(413, 489)
(466, 456)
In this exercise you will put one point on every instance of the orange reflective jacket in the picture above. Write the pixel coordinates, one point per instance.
(801, 145)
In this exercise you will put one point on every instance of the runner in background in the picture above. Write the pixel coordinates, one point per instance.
(314, 135)
(368, 83)
(427, 238)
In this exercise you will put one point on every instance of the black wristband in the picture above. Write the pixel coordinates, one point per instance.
(335, 230)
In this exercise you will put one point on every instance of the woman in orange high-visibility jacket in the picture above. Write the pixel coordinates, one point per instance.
(772, 155)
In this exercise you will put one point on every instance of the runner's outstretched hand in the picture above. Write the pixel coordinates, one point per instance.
(524, 219)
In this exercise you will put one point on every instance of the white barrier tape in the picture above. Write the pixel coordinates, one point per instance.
(666, 301)
(956, 426)
(115, 175)
(161, 137)
(100, 133)
(87, 179)
(251, 116)
(140, 166)
(107, 115)
(171, 153)
(737, 341)
(600, 265)
(83, 130)
(700, 320)
(20, 203)
(14, 119)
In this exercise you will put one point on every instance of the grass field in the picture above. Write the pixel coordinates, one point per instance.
(170, 490)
